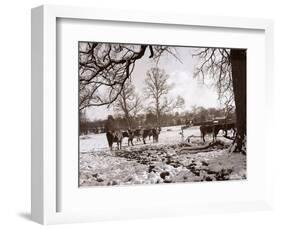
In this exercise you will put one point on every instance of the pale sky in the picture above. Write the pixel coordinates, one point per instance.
(181, 76)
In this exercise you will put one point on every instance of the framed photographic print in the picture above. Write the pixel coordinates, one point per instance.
(147, 114)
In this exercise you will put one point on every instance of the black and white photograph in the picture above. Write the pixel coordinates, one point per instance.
(157, 114)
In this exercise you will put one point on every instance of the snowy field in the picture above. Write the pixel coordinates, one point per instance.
(168, 135)
(170, 160)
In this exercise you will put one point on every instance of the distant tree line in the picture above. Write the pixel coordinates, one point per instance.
(197, 115)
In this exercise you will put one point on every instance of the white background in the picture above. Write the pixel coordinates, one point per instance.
(15, 114)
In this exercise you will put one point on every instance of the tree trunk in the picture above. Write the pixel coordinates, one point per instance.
(128, 119)
(238, 63)
(158, 112)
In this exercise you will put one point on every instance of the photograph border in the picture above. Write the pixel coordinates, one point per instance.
(44, 162)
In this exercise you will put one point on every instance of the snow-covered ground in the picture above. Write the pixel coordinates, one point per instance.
(168, 135)
(162, 162)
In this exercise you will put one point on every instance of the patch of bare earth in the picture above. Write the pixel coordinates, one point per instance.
(160, 163)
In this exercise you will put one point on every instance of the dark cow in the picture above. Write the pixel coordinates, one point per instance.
(215, 128)
(142, 133)
(209, 129)
(145, 133)
(137, 134)
(229, 126)
(150, 133)
(155, 134)
(114, 136)
(130, 135)
(225, 127)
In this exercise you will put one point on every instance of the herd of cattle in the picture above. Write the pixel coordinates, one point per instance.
(214, 129)
(143, 133)
(117, 136)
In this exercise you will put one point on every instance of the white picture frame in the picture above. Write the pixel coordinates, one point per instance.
(46, 182)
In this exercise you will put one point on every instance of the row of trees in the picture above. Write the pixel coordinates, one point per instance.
(198, 115)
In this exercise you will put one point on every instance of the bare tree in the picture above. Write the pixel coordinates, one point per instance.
(157, 89)
(104, 68)
(227, 67)
(128, 103)
(179, 103)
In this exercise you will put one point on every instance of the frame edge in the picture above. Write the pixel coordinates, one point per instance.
(37, 70)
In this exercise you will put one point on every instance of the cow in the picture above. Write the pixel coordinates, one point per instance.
(150, 134)
(145, 133)
(225, 127)
(137, 134)
(142, 133)
(209, 129)
(114, 136)
(155, 134)
(215, 128)
(229, 126)
(130, 134)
